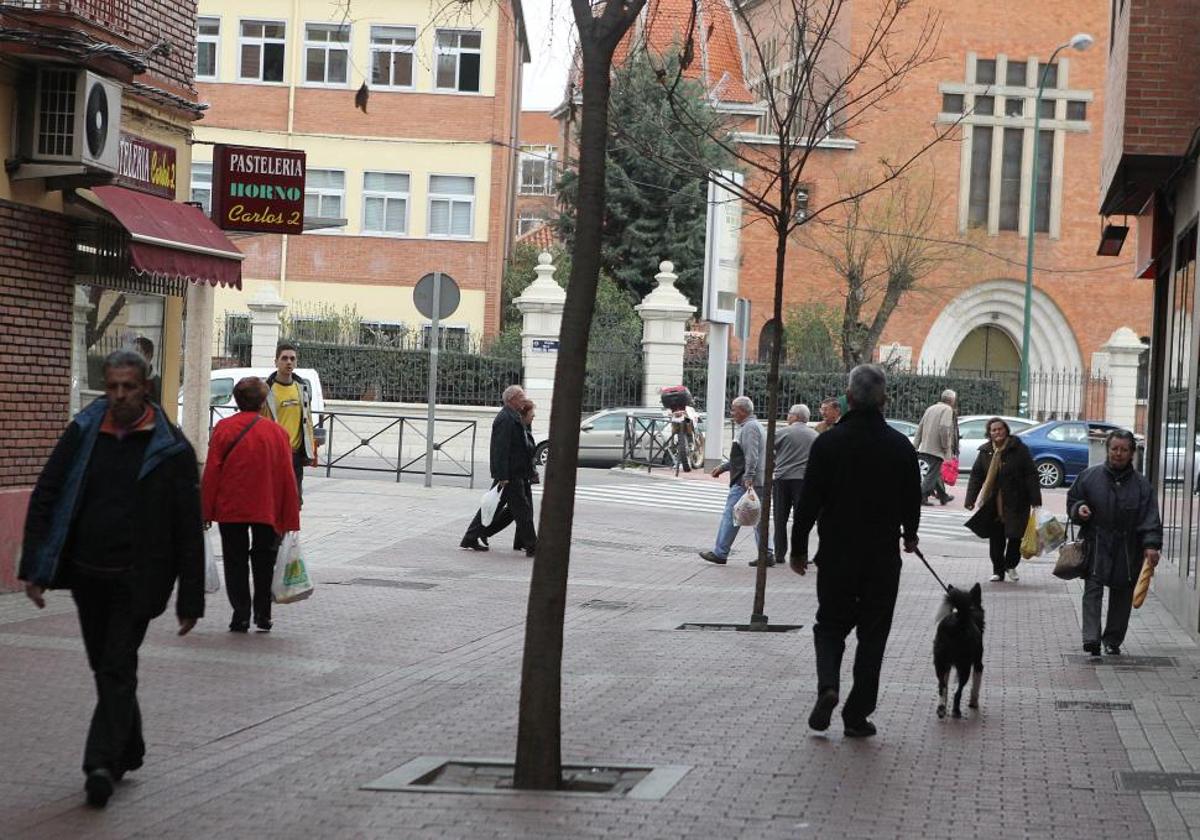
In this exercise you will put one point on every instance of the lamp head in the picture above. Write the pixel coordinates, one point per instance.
(1081, 41)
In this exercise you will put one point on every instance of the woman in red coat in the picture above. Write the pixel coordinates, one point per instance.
(249, 489)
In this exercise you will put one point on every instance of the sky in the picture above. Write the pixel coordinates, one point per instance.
(551, 32)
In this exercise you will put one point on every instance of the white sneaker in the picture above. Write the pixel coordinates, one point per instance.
(995, 578)
(1013, 576)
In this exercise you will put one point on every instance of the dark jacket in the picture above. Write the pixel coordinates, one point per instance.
(511, 453)
(1017, 483)
(863, 489)
(169, 545)
(1124, 522)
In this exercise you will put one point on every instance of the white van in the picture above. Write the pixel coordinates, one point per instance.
(222, 380)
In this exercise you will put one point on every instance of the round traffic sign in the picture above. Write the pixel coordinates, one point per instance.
(448, 296)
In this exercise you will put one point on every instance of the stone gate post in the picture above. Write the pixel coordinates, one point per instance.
(264, 308)
(1124, 349)
(541, 307)
(665, 313)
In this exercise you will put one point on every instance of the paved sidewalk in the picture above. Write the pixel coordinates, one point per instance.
(274, 735)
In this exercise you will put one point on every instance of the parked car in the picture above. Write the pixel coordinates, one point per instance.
(972, 434)
(909, 430)
(220, 392)
(602, 435)
(1060, 448)
(1174, 455)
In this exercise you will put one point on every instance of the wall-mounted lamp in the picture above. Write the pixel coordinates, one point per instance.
(1112, 238)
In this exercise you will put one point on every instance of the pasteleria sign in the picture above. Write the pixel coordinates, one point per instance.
(257, 189)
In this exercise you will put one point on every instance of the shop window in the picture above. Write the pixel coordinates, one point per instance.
(208, 46)
(392, 56)
(458, 55)
(261, 50)
(119, 320)
(326, 53)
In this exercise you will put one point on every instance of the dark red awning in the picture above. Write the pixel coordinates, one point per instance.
(174, 239)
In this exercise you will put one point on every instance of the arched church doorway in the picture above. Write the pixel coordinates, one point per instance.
(989, 351)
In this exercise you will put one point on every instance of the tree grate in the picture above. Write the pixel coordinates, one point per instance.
(610, 544)
(596, 604)
(1093, 706)
(390, 584)
(1122, 661)
(1151, 780)
(749, 628)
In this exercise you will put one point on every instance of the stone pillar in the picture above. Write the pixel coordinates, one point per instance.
(665, 313)
(264, 326)
(197, 365)
(541, 306)
(79, 366)
(1123, 349)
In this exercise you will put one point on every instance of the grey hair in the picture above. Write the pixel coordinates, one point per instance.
(867, 387)
(949, 395)
(127, 358)
(511, 393)
(800, 412)
(743, 402)
(1120, 434)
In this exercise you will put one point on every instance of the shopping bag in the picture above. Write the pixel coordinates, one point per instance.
(1051, 532)
(950, 471)
(488, 505)
(291, 581)
(747, 509)
(1029, 542)
(212, 581)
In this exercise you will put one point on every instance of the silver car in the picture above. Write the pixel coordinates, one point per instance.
(972, 434)
(1174, 455)
(602, 435)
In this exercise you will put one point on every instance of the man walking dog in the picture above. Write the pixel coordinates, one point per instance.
(859, 525)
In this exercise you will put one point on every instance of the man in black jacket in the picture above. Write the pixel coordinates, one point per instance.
(512, 470)
(863, 489)
(115, 517)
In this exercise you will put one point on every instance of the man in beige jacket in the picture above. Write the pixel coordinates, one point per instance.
(936, 441)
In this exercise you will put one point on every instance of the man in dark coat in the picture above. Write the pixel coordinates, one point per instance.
(863, 490)
(512, 470)
(115, 517)
(1116, 506)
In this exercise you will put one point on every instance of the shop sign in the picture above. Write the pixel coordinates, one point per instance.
(146, 166)
(256, 189)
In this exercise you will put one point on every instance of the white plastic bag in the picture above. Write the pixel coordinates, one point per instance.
(1052, 533)
(212, 581)
(747, 509)
(291, 581)
(488, 505)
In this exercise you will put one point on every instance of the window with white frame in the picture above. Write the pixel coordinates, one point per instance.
(325, 194)
(451, 205)
(458, 60)
(208, 41)
(201, 190)
(538, 170)
(261, 50)
(385, 203)
(392, 56)
(326, 53)
(529, 221)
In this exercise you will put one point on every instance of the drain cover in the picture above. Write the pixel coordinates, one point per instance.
(596, 604)
(768, 628)
(1145, 780)
(1093, 706)
(1122, 661)
(616, 546)
(391, 584)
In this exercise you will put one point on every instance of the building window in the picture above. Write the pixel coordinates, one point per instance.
(1046, 109)
(985, 106)
(538, 170)
(1045, 169)
(326, 50)
(451, 205)
(1014, 107)
(1076, 110)
(208, 40)
(392, 56)
(202, 186)
(385, 203)
(261, 48)
(952, 103)
(1051, 71)
(528, 222)
(458, 60)
(452, 337)
(985, 71)
(324, 194)
(1010, 178)
(803, 200)
(981, 177)
(1014, 74)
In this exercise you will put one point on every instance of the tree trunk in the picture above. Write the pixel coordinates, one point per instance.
(539, 733)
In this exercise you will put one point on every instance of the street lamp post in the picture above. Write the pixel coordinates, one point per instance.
(1078, 42)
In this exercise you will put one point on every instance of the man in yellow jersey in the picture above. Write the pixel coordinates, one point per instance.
(289, 403)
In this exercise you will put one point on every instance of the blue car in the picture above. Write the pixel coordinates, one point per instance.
(1060, 448)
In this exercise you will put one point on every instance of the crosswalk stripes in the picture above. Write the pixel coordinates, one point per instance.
(705, 497)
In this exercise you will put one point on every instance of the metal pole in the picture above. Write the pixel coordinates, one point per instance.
(434, 341)
(742, 368)
(718, 354)
(1023, 398)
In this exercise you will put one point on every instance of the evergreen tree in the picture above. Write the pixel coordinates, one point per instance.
(653, 211)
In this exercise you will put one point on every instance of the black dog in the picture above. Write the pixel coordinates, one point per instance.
(958, 644)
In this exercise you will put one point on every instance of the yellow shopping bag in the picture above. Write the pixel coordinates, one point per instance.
(1029, 542)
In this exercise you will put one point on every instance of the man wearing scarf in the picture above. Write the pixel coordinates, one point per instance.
(1116, 506)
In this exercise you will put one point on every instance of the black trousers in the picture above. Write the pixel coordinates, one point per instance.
(865, 601)
(243, 558)
(932, 483)
(516, 505)
(1005, 552)
(299, 462)
(112, 634)
(787, 502)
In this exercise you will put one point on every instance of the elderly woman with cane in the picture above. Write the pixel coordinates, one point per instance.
(1121, 530)
(1004, 483)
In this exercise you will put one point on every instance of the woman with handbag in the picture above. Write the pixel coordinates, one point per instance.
(527, 414)
(1116, 506)
(1004, 483)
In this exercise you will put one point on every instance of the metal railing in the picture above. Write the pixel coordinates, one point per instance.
(646, 442)
(115, 15)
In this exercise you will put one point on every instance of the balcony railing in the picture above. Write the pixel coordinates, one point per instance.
(114, 15)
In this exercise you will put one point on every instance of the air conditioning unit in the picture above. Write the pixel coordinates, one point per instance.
(76, 119)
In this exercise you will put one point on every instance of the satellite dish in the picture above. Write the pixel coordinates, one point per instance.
(96, 120)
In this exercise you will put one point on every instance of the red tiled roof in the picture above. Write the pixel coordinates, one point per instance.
(541, 237)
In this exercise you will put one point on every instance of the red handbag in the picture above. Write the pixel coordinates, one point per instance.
(950, 470)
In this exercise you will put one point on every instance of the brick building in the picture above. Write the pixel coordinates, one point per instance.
(1149, 172)
(538, 170)
(96, 111)
(424, 177)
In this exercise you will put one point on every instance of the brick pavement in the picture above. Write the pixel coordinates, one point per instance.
(274, 734)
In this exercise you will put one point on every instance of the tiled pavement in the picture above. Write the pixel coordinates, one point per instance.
(273, 735)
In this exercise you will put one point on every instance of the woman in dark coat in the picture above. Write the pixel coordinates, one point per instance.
(1004, 482)
(1115, 504)
(527, 414)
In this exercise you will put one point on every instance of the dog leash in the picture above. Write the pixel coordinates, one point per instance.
(945, 588)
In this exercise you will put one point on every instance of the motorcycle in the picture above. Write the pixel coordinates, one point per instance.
(685, 442)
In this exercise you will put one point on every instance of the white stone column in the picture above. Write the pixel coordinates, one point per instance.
(665, 313)
(197, 366)
(1123, 349)
(79, 367)
(541, 307)
(264, 326)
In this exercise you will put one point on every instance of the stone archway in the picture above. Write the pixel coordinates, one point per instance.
(1001, 304)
